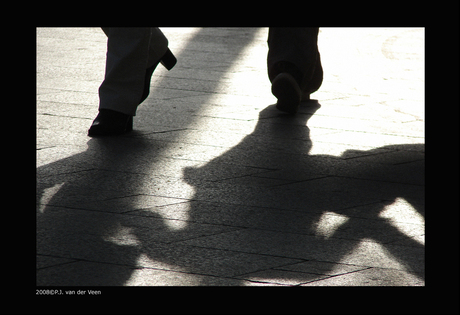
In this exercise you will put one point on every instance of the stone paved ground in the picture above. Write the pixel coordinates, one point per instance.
(215, 186)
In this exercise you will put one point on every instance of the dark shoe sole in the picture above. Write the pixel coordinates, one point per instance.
(288, 93)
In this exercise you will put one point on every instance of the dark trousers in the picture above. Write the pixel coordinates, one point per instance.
(130, 51)
(297, 46)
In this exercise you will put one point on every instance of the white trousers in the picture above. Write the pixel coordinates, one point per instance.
(130, 51)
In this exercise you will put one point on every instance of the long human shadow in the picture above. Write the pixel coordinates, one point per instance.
(276, 209)
(285, 204)
(77, 195)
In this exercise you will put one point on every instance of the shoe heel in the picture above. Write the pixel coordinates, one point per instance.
(168, 60)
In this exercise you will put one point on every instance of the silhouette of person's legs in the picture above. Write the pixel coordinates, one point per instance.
(294, 65)
(132, 56)
(127, 57)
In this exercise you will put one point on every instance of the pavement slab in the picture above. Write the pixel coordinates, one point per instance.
(215, 187)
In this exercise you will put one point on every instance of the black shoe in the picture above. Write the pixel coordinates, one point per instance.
(168, 61)
(287, 91)
(110, 123)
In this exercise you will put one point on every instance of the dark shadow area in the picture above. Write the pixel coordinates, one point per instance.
(269, 213)
(106, 172)
(294, 190)
(264, 196)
